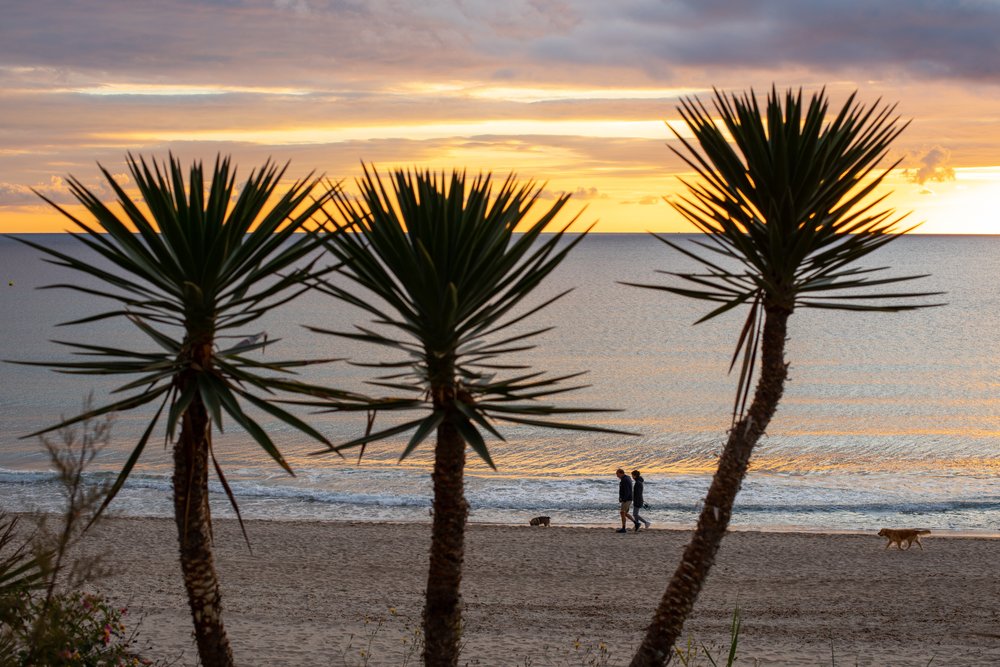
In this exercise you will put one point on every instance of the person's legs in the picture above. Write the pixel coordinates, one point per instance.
(624, 513)
(636, 518)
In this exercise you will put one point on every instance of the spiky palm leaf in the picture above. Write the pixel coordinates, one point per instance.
(785, 202)
(442, 256)
(787, 210)
(792, 206)
(203, 260)
(200, 262)
(20, 569)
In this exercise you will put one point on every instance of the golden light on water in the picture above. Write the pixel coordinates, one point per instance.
(871, 464)
(658, 463)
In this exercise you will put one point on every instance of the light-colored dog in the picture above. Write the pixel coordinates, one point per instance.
(540, 521)
(899, 535)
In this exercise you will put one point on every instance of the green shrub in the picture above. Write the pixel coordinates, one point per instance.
(72, 629)
(45, 617)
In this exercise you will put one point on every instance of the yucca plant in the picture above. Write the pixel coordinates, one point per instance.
(22, 572)
(20, 569)
(204, 261)
(785, 203)
(442, 257)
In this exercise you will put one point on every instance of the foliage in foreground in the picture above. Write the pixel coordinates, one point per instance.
(46, 618)
(73, 629)
(690, 655)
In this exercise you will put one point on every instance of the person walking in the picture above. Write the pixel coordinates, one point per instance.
(624, 497)
(637, 500)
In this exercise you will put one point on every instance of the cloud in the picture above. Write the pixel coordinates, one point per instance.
(941, 39)
(198, 77)
(933, 166)
(648, 200)
(298, 7)
(588, 193)
(580, 194)
(17, 194)
(327, 43)
(57, 190)
(14, 194)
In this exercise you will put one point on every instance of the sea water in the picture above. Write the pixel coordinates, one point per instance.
(887, 418)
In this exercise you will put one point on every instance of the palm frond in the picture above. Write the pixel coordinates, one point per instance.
(787, 194)
(197, 257)
(450, 261)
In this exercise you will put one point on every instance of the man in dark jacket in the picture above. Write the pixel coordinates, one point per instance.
(637, 500)
(624, 497)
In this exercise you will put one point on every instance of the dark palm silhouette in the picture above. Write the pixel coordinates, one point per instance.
(786, 209)
(442, 257)
(202, 263)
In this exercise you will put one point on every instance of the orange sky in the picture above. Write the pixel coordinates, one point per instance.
(575, 95)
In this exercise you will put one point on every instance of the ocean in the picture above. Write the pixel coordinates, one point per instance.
(887, 419)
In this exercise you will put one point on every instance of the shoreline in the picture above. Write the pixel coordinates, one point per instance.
(612, 523)
(318, 592)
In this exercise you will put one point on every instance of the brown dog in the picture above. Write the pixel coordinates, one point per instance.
(540, 521)
(899, 535)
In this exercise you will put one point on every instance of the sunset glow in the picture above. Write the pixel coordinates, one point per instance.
(611, 129)
(578, 96)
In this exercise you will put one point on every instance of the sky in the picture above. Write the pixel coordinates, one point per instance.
(575, 95)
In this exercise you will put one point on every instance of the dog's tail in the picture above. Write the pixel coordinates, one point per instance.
(923, 532)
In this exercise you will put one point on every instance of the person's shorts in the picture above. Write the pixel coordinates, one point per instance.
(626, 505)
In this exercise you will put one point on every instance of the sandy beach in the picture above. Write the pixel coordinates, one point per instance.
(536, 596)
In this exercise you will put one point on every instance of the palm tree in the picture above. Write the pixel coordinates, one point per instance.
(786, 208)
(442, 257)
(203, 263)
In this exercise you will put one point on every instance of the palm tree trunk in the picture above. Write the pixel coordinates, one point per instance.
(699, 556)
(443, 613)
(194, 531)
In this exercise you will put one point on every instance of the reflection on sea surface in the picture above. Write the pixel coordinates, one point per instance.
(886, 417)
